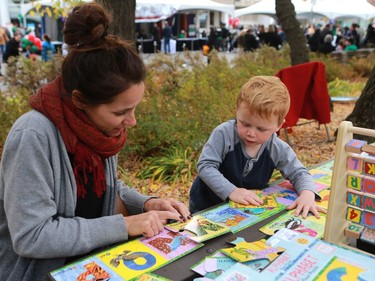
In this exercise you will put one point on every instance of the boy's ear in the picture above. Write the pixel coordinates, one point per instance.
(280, 125)
(77, 99)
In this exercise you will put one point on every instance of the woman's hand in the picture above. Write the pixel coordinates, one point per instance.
(305, 203)
(170, 205)
(150, 223)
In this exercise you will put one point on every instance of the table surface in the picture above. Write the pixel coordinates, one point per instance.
(179, 270)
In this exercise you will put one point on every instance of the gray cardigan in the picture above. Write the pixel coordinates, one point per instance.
(38, 193)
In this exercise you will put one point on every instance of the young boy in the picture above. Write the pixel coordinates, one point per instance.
(242, 154)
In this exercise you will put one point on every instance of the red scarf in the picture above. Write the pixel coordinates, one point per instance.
(84, 142)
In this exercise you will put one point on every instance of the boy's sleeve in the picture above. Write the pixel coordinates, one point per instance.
(212, 155)
(292, 169)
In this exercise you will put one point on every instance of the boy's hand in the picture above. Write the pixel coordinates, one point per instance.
(245, 197)
(305, 203)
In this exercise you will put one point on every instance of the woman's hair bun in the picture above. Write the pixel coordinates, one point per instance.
(86, 26)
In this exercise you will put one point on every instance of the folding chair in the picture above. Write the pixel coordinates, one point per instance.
(309, 98)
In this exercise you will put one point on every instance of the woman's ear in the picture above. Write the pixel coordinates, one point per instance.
(77, 99)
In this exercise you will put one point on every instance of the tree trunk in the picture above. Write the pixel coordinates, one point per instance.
(364, 110)
(123, 14)
(286, 14)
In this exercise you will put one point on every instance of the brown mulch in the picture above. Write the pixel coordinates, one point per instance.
(308, 141)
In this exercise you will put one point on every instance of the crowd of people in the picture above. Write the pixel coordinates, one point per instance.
(333, 37)
(319, 38)
(16, 41)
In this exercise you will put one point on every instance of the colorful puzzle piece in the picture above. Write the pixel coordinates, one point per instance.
(269, 201)
(202, 229)
(247, 251)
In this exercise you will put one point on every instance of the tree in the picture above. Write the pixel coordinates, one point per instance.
(123, 13)
(364, 109)
(286, 14)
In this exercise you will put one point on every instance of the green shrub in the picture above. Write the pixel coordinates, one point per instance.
(345, 88)
(23, 77)
(173, 165)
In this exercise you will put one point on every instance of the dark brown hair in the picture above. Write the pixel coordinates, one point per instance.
(98, 65)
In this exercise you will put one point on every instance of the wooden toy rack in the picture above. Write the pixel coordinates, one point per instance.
(337, 208)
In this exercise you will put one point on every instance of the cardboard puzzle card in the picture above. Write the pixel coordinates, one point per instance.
(269, 201)
(284, 195)
(132, 259)
(321, 178)
(201, 228)
(216, 264)
(311, 225)
(237, 272)
(92, 268)
(170, 244)
(247, 251)
(324, 194)
(123, 262)
(232, 218)
(307, 258)
(330, 262)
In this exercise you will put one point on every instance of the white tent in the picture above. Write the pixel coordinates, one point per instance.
(155, 10)
(331, 9)
(345, 8)
(268, 7)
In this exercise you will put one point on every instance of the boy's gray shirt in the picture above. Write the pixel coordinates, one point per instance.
(38, 194)
(223, 140)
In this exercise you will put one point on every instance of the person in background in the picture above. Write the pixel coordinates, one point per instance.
(327, 47)
(141, 34)
(13, 47)
(350, 44)
(60, 197)
(156, 36)
(3, 40)
(241, 154)
(250, 42)
(167, 35)
(48, 49)
(182, 34)
(341, 45)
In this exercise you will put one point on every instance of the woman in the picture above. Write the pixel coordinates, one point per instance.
(59, 194)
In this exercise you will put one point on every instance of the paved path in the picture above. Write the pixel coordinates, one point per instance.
(230, 56)
(146, 57)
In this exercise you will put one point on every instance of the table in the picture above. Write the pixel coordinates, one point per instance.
(177, 45)
(179, 270)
